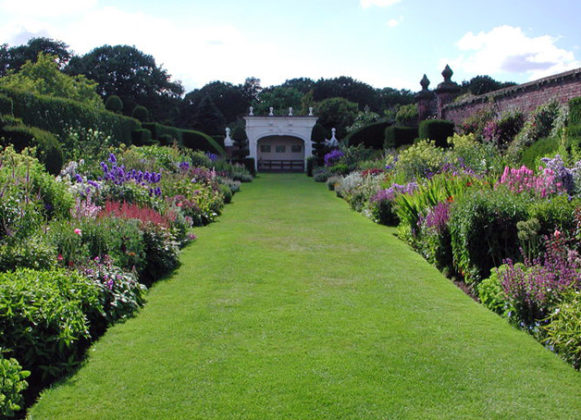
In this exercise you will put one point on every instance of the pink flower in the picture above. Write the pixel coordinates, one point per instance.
(557, 233)
(60, 257)
(78, 232)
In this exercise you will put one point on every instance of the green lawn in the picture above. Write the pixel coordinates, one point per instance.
(293, 306)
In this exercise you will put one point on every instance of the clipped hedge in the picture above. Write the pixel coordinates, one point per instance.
(141, 137)
(372, 135)
(6, 106)
(196, 140)
(164, 133)
(58, 114)
(396, 136)
(437, 130)
(49, 150)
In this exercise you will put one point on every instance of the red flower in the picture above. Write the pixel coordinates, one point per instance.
(60, 257)
(450, 199)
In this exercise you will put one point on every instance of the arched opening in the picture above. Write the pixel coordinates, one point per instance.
(281, 154)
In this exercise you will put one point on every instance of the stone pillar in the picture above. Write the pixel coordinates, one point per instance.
(426, 100)
(446, 91)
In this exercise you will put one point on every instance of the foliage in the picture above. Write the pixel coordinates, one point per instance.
(43, 77)
(161, 252)
(372, 135)
(479, 85)
(483, 230)
(490, 290)
(15, 57)
(240, 142)
(132, 75)
(121, 294)
(523, 180)
(140, 113)
(397, 136)
(540, 148)
(29, 252)
(45, 318)
(114, 104)
(58, 115)
(337, 113)
(280, 98)
(333, 157)
(407, 115)
(6, 106)
(563, 331)
(436, 130)
(12, 385)
(421, 159)
(575, 111)
(318, 136)
(478, 157)
(502, 131)
(348, 88)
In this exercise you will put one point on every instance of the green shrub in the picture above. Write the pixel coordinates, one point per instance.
(563, 333)
(419, 160)
(407, 115)
(12, 385)
(6, 106)
(31, 252)
(490, 291)
(49, 151)
(45, 318)
(200, 160)
(114, 104)
(397, 136)
(161, 253)
(140, 113)
(227, 192)
(556, 213)
(196, 140)
(484, 232)
(575, 111)
(436, 130)
(508, 126)
(339, 169)
(159, 131)
(541, 148)
(58, 115)
(141, 137)
(311, 160)
(321, 175)
(372, 136)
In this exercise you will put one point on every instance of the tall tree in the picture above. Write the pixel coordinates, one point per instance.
(252, 88)
(280, 98)
(337, 113)
(15, 57)
(208, 117)
(348, 88)
(302, 84)
(479, 85)
(133, 76)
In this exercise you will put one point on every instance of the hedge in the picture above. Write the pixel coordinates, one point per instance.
(372, 135)
(164, 133)
(196, 140)
(575, 111)
(49, 150)
(437, 130)
(397, 136)
(57, 114)
(141, 137)
(6, 106)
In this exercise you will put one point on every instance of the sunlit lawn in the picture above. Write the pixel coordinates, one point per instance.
(293, 306)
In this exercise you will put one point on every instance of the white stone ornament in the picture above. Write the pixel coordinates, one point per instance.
(251, 113)
(271, 112)
(290, 111)
(310, 111)
(228, 142)
(332, 142)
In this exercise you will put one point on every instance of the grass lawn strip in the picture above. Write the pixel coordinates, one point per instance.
(292, 306)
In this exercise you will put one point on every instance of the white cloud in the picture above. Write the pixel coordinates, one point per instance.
(507, 50)
(46, 8)
(380, 3)
(392, 23)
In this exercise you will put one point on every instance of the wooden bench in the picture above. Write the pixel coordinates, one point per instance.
(281, 165)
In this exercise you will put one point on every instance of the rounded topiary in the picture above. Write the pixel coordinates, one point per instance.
(141, 113)
(114, 104)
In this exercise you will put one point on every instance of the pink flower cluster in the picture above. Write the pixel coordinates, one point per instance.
(524, 180)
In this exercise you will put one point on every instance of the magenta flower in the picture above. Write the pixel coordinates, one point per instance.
(78, 232)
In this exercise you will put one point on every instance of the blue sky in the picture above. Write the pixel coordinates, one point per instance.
(386, 43)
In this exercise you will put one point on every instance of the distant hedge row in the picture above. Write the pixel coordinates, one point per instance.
(372, 135)
(192, 139)
(57, 114)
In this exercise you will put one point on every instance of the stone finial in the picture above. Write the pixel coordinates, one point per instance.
(425, 82)
(290, 111)
(271, 111)
(310, 111)
(447, 73)
(251, 113)
(332, 142)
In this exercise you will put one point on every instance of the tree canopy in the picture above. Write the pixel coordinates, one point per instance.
(133, 76)
(12, 59)
(43, 77)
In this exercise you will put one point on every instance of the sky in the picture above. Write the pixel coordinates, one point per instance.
(385, 43)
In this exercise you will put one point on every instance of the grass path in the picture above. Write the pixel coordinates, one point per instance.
(293, 306)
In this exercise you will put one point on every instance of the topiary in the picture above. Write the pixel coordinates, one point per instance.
(114, 104)
(396, 136)
(140, 113)
(437, 130)
(6, 105)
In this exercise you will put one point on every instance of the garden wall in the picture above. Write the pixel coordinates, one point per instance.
(525, 97)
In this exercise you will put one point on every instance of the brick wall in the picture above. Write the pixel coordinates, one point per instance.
(525, 97)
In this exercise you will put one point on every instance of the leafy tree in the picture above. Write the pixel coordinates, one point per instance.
(347, 88)
(14, 58)
(390, 98)
(302, 84)
(280, 98)
(44, 78)
(480, 85)
(133, 76)
(337, 113)
(363, 119)
(229, 99)
(407, 115)
(140, 113)
(208, 117)
(252, 89)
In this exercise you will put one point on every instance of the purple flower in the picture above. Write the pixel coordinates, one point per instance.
(333, 157)
(79, 178)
